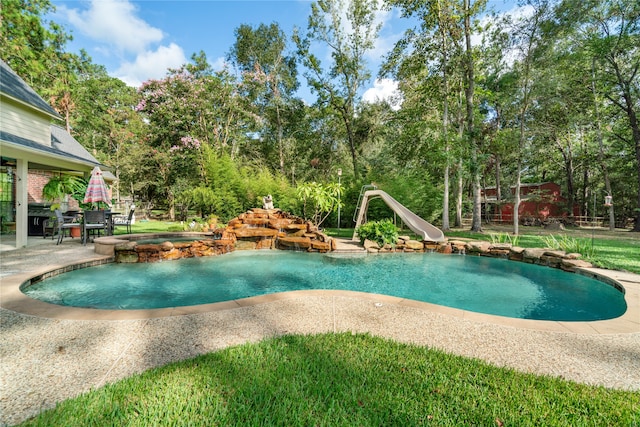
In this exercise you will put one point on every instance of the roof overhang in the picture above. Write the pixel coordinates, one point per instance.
(41, 158)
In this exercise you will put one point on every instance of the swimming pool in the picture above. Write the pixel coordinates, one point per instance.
(480, 284)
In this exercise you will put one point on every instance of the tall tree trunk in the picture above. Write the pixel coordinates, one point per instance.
(445, 120)
(567, 156)
(460, 189)
(346, 118)
(476, 222)
(601, 160)
(636, 138)
(459, 193)
(172, 205)
(540, 9)
(280, 137)
(498, 190)
(445, 200)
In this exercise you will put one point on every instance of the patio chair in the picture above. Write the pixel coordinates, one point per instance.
(125, 220)
(63, 224)
(93, 221)
(49, 227)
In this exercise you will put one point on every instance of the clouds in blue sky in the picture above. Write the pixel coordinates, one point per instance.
(138, 41)
(116, 32)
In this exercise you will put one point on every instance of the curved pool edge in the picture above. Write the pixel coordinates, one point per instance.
(12, 298)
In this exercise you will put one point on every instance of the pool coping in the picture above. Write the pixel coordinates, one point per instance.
(12, 298)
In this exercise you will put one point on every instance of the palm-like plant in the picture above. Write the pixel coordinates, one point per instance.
(60, 186)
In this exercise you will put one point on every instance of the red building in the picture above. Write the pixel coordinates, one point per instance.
(539, 202)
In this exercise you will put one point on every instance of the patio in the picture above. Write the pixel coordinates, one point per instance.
(47, 359)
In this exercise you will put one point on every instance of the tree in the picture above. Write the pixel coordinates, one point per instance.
(433, 46)
(613, 37)
(35, 49)
(28, 43)
(348, 29)
(188, 110)
(319, 200)
(473, 136)
(269, 76)
(527, 41)
(104, 120)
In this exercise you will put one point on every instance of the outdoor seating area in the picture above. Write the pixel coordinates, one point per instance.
(83, 224)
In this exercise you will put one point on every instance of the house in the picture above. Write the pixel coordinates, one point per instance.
(538, 203)
(32, 149)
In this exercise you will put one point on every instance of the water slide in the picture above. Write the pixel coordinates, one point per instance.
(418, 225)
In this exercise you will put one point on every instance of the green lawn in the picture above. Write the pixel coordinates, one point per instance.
(342, 380)
(606, 249)
(145, 226)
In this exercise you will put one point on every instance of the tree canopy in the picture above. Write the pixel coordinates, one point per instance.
(486, 102)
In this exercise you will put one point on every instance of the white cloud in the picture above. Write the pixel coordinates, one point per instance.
(115, 23)
(219, 64)
(383, 90)
(386, 38)
(151, 65)
(130, 42)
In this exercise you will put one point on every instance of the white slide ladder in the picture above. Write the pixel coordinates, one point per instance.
(360, 197)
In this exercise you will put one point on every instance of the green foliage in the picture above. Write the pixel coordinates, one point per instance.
(579, 118)
(505, 238)
(382, 232)
(59, 186)
(341, 379)
(232, 188)
(29, 43)
(570, 244)
(319, 200)
(260, 182)
(348, 30)
(269, 79)
(203, 199)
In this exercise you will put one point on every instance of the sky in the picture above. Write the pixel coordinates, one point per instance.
(139, 40)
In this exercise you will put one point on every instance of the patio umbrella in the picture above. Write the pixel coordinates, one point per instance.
(96, 190)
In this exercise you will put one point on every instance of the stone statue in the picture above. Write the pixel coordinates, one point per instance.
(267, 202)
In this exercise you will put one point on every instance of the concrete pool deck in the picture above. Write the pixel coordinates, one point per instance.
(50, 353)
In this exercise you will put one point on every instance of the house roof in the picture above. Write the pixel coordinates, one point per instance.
(62, 145)
(523, 185)
(14, 87)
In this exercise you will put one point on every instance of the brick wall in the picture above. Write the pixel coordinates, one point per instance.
(38, 179)
(35, 181)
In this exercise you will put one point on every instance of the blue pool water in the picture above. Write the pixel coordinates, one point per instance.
(479, 284)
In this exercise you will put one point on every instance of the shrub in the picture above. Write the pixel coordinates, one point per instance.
(569, 244)
(318, 200)
(381, 232)
(505, 238)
